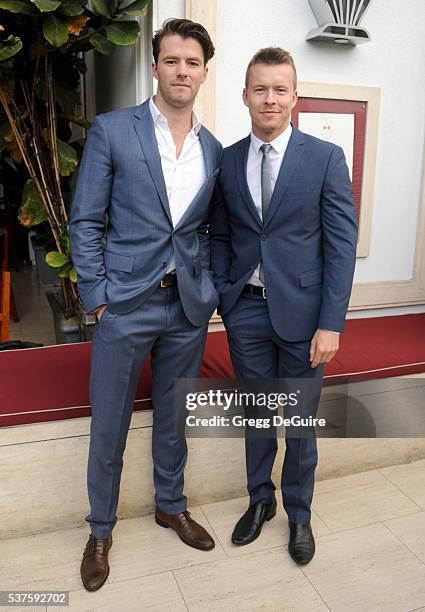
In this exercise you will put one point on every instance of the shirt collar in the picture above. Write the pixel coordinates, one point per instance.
(278, 144)
(158, 117)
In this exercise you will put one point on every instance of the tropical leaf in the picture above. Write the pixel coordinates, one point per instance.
(65, 270)
(56, 259)
(122, 32)
(36, 49)
(55, 30)
(71, 8)
(135, 9)
(7, 84)
(67, 155)
(73, 275)
(65, 242)
(7, 65)
(9, 143)
(102, 44)
(104, 8)
(10, 47)
(6, 135)
(45, 6)
(4, 129)
(66, 97)
(82, 121)
(19, 6)
(31, 211)
(68, 159)
(76, 24)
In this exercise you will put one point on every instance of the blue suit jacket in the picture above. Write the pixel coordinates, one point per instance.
(307, 241)
(122, 235)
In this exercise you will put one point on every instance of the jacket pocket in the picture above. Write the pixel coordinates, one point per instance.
(313, 277)
(117, 261)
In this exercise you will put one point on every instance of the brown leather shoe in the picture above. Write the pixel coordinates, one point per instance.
(94, 566)
(190, 532)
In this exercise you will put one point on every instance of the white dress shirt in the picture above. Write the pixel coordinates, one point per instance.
(253, 174)
(183, 176)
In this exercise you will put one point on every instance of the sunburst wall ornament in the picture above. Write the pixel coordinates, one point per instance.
(339, 21)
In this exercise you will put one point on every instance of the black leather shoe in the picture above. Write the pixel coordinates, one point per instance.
(248, 527)
(301, 542)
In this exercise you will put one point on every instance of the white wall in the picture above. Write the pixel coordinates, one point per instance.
(394, 61)
(165, 9)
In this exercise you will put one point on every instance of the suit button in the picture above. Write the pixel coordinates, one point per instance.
(263, 236)
(250, 267)
(164, 264)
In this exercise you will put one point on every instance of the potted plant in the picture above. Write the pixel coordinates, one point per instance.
(42, 47)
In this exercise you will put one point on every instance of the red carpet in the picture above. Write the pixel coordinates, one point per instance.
(51, 383)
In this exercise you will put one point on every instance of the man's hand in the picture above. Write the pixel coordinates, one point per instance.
(99, 311)
(324, 346)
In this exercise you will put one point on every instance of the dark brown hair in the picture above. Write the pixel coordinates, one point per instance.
(186, 29)
(272, 55)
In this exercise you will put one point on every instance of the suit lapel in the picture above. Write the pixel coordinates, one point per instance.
(207, 152)
(145, 130)
(208, 162)
(241, 163)
(289, 165)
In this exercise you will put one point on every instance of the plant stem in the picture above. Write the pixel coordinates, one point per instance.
(20, 138)
(54, 143)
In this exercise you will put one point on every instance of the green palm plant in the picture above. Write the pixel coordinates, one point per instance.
(42, 47)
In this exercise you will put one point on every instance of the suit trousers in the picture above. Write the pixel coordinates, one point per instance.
(257, 352)
(121, 343)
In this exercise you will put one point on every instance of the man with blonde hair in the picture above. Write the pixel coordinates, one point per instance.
(283, 232)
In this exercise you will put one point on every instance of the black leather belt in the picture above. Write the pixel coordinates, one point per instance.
(169, 280)
(254, 290)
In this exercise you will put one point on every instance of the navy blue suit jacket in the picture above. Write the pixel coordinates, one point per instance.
(122, 234)
(307, 240)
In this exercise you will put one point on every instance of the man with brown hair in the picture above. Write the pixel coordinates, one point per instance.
(141, 250)
(283, 232)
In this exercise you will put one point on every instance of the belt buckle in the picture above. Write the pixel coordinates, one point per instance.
(264, 293)
(162, 283)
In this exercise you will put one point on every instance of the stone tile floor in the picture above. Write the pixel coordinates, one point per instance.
(370, 555)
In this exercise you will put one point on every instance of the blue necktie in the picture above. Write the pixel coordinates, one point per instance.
(266, 190)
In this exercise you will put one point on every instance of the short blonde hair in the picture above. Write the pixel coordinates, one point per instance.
(272, 55)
